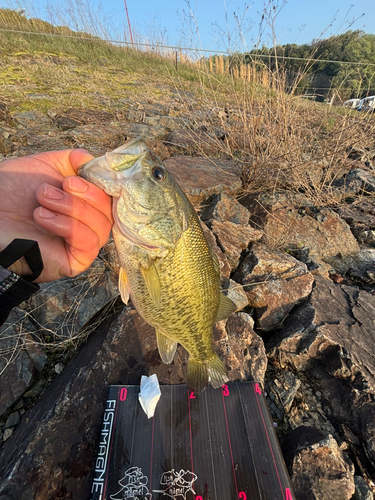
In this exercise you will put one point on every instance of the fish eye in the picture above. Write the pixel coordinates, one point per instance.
(158, 173)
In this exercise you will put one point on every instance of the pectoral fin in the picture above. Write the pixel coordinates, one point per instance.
(166, 346)
(226, 307)
(123, 286)
(152, 280)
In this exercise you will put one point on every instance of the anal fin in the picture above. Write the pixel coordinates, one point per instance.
(166, 346)
(226, 307)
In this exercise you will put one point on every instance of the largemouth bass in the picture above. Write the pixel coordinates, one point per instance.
(167, 267)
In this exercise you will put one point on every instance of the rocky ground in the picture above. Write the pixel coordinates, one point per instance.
(303, 277)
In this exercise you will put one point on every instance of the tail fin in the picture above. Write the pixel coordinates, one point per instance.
(200, 374)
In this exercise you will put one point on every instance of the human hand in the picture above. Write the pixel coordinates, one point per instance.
(42, 199)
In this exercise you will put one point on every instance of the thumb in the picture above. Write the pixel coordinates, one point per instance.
(78, 157)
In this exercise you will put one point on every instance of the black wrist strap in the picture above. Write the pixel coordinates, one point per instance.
(23, 248)
(15, 289)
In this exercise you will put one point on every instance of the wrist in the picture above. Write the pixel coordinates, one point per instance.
(20, 267)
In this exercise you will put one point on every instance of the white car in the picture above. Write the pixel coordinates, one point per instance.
(352, 103)
(367, 104)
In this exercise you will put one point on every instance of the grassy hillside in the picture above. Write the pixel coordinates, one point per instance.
(276, 137)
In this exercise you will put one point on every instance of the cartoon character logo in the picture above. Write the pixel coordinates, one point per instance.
(133, 486)
(177, 484)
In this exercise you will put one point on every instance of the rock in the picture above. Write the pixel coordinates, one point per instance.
(4, 113)
(12, 420)
(320, 346)
(333, 326)
(367, 237)
(315, 171)
(17, 369)
(157, 132)
(225, 268)
(36, 389)
(274, 282)
(241, 348)
(8, 433)
(32, 120)
(362, 489)
(362, 270)
(317, 466)
(360, 215)
(237, 294)
(19, 405)
(59, 368)
(6, 146)
(366, 424)
(234, 238)
(291, 222)
(62, 426)
(51, 113)
(86, 136)
(36, 142)
(357, 153)
(142, 130)
(201, 178)
(173, 122)
(284, 388)
(227, 209)
(365, 180)
(88, 116)
(329, 338)
(66, 123)
(193, 140)
(357, 181)
(63, 308)
(36, 354)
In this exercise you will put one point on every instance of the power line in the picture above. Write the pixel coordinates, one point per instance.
(254, 56)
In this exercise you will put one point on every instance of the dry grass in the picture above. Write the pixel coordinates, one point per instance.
(278, 139)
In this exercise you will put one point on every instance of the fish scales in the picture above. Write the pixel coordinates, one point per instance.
(166, 264)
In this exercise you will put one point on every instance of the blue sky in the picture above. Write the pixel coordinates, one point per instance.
(176, 21)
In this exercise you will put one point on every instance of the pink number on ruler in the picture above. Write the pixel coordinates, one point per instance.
(225, 390)
(288, 494)
(257, 389)
(198, 498)
(192, 397)
(123, 394)
(242, 495)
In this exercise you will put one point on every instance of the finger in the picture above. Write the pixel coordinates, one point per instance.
(82, 243)
(90, 193)
(65, 203)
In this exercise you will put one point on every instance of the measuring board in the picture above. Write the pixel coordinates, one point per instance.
(218, 445)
